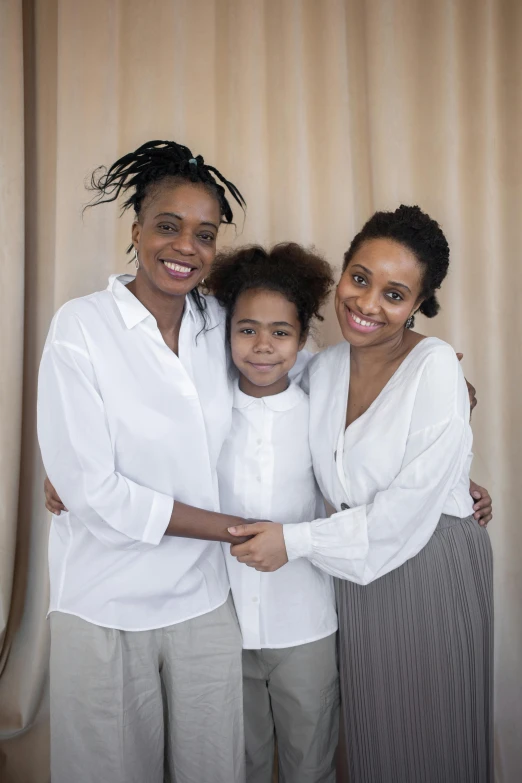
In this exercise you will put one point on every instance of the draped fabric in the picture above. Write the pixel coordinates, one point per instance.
(321, 111)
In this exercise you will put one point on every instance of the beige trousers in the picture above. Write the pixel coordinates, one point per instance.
(292, 693)
(147, 706)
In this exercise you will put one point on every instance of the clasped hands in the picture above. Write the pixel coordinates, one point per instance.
(265, 550)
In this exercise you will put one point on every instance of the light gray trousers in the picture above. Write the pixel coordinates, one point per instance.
(294, 694)
(147, 706)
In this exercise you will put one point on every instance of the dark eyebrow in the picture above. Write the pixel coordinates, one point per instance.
(390, 282)
(179, 217)
(274, 323)
(399, 285)
(368, 271)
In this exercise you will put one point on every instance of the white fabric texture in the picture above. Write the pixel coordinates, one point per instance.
(125, 428)
(265, 472)
(393, 472)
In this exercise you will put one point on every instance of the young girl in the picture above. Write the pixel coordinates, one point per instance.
(288, 619)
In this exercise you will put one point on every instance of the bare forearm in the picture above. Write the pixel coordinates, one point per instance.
(191, 522)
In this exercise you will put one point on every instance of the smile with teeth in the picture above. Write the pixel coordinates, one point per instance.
(363, 323)
(179, 268)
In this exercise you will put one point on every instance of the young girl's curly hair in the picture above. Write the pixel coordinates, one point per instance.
(300, 275)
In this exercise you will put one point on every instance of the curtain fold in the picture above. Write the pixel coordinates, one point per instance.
(321, 111)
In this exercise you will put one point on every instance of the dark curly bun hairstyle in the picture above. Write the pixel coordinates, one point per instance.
(413, 228)
(301, 275)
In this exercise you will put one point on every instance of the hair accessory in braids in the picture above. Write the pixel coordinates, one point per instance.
(153, 162)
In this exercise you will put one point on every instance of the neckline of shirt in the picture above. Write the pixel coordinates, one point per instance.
(132, 310)
(283, 401)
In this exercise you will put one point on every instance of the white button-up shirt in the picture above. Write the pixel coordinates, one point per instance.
(265, 472)
(393, 472)
(126, 427)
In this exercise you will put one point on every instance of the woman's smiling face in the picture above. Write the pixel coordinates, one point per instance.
(378, 291)
(175, 236)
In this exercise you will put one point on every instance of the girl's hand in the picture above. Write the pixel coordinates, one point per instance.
(483, 507)
(52, 502)
(266, 551)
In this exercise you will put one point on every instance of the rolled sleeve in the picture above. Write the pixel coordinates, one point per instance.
(159, 518)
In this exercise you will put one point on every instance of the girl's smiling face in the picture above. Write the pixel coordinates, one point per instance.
(378, 291)
(265, 338)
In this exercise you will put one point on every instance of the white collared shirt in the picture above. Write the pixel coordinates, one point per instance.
(393, 472)
(125, 428)
(265, 472)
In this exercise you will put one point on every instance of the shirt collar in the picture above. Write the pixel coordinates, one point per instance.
(276, 402)
(132, 310)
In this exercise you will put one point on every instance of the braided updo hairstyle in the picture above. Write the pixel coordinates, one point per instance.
(413, 228)
(148, 166)
(137, 174)
(300, 275)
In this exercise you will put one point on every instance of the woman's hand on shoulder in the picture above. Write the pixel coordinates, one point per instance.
(265, 551)
(483, 506)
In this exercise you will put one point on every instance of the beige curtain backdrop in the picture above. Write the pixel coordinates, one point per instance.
(321, 111)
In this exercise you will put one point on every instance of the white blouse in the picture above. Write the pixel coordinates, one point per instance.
(125, 428)
(393, 472)
(265, 472)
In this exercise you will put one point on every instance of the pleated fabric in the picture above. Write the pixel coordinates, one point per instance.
(416, 664)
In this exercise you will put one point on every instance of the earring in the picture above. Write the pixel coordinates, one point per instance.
(410, 323)
(136, 259)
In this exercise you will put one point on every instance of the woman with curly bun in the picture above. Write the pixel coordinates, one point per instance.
(391, 446)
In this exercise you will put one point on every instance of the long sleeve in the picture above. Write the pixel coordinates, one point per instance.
(364, 542)
(77, 452)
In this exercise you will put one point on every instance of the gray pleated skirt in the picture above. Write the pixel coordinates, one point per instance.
(415, 655)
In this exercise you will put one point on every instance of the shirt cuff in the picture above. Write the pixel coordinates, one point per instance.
(159, 518)
(298, 540)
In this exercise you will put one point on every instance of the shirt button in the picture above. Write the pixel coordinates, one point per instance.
(259, 441)
(255, 599)
(344, 506)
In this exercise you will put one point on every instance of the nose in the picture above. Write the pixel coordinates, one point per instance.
(368, 302)
(263, 343)
(184, 242)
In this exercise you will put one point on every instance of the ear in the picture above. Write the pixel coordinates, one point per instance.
(418, 304)
(303, 338)
(135, 233)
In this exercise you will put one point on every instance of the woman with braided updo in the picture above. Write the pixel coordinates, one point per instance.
(391, 447)
(133, 407)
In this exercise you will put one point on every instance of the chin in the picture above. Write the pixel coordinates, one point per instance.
(263, 381)
(175, 288)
